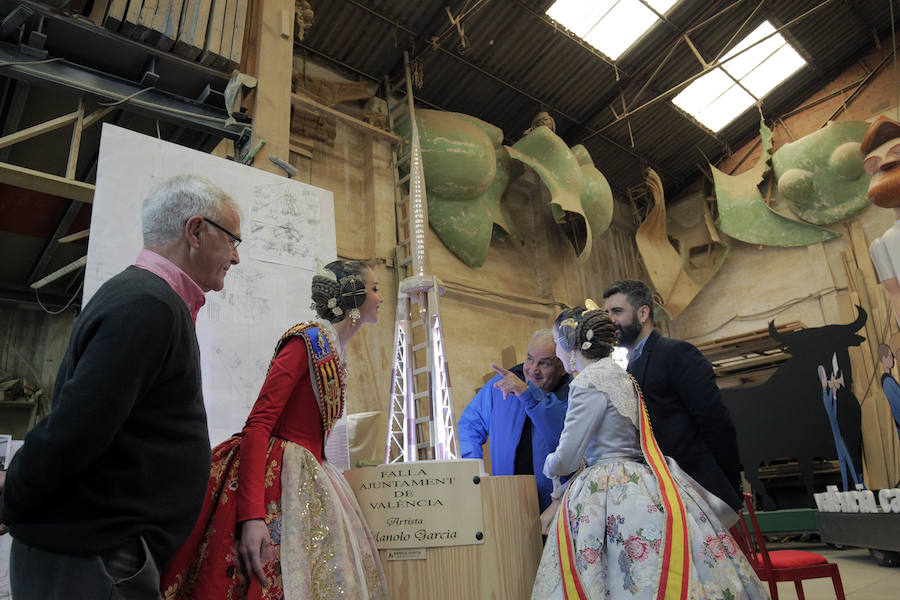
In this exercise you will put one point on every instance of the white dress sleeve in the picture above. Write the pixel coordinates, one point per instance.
(587, 406)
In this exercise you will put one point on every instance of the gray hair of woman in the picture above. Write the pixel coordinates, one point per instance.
(170, 204)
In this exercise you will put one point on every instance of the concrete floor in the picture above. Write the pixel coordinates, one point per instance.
(863, 579)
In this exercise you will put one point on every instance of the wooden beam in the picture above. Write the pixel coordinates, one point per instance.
(57, 123)
(72, 266)
(96, 116)
(46, 183)
(62, 226)
(528, 306)
(76, 141)
(80, 235)
(274, 51)
(36, 130)
(307, 103)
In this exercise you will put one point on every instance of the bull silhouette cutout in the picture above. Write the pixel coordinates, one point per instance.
(785, 417)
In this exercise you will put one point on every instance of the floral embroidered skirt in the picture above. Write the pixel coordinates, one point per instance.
(323, 548)
(615, 515)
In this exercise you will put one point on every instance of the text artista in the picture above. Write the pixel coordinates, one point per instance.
(393, 521)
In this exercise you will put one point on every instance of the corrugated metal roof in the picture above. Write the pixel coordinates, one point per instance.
(516, 61)
(503, 62)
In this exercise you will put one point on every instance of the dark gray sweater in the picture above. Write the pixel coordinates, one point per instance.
(125, 449)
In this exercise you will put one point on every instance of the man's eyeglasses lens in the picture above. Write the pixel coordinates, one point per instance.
(235, 240)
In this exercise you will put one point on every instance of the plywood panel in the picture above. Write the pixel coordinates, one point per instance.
(144, 27)
(237, 43)
(192, 32)
(213, 41)
(131, 17)
(116, 14)
(227, 34)
(98, 11)
(167, 22)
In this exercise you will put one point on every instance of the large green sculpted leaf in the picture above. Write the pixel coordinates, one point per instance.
(465, 225)
(556, 165)
(821, 175)
(744, 215)
(457, 153)
(596, 195)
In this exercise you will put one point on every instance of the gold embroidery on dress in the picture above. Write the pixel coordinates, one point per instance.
(317, 545)
(272, 472)
(373, 577)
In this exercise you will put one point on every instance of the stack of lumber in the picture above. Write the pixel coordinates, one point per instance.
(210, 32)
(746, 358)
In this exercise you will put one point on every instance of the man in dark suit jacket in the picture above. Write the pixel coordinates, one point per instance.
(691, 423)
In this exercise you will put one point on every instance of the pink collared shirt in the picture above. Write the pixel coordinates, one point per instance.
(179, 281)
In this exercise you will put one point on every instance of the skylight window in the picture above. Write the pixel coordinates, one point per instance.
(610, 26)
(720, 96)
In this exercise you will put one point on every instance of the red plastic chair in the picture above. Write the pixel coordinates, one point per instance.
(781, 565)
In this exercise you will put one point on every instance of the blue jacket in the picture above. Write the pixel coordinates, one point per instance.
(489, 415)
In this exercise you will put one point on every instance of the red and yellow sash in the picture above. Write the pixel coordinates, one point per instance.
(324, 363)
(675, 565)
(570, 581)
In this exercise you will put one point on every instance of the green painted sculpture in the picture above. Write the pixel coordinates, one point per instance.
(556, 165)
(467, 171)
(744, 215)
(596, 195)
(821, 175)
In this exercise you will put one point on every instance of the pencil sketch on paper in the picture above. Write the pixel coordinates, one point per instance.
(244, 300)
(284, 224)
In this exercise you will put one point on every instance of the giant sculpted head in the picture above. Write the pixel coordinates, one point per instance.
(881, 149)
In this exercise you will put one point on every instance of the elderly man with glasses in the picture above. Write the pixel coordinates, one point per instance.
(110, 483)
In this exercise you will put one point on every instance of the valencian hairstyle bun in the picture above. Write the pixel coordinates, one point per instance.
(591, 332)
(339, 288)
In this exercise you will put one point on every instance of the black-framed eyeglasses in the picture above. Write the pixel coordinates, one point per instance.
(235, 240)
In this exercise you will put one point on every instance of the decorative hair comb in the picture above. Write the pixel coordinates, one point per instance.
(590, 304)
(570, 323)
(321, 270)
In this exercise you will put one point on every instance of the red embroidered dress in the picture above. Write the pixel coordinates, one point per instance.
(275, 471)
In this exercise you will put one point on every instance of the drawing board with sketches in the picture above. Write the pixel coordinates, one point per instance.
(286, 225)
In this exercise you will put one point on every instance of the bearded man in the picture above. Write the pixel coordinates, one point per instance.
(881, 149)
(691, 423)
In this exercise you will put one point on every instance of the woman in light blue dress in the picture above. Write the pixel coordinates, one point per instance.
(631, 524)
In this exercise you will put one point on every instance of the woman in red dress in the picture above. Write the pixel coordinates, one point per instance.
(278, 521)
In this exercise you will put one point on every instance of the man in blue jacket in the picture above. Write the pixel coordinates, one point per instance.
(522, 411)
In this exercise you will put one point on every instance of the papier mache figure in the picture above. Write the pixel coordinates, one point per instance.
(881, 151)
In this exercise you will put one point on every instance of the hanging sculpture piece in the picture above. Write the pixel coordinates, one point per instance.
(596, 195)
(821, 175)
(467, 171)
(744, 215)
(556, 165)
(674, 287)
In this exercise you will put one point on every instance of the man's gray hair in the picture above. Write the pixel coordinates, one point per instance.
(170, 204)
(541, 333)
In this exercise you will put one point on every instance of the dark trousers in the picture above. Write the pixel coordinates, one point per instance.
(124, 573)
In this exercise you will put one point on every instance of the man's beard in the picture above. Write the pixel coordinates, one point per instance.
(886, 193)
(628, 334)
